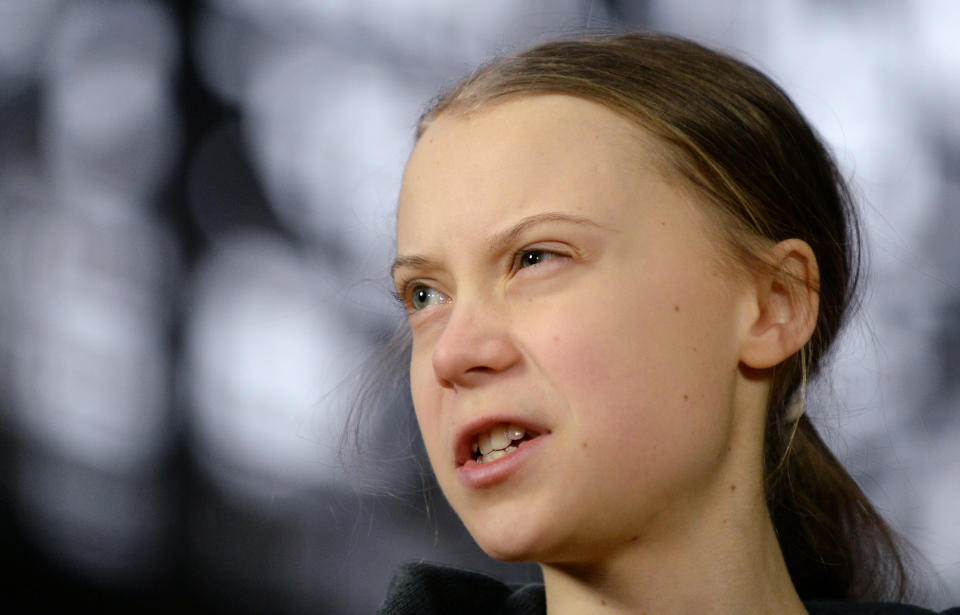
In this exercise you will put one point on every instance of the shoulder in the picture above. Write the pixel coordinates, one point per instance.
(431, 589)
(871, 608)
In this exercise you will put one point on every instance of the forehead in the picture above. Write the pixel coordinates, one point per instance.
(473, 173)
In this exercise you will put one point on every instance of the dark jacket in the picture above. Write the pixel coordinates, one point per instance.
(429, 589)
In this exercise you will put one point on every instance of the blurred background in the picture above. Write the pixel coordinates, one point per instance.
(196, 220)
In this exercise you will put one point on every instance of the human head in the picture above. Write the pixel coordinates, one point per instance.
(738, 142)
(726, 129)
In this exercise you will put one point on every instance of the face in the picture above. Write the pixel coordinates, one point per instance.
(569, 306)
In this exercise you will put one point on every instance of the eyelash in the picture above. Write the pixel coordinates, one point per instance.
(405, 298)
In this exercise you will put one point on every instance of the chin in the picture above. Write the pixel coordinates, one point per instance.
(510, 540)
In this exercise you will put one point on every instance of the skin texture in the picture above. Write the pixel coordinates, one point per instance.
(630, 341)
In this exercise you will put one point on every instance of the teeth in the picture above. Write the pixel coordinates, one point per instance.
(483, 441)
(494, 455)
(497, 440)
(515, 432)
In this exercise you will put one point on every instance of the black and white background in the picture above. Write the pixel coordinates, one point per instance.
(196, 218)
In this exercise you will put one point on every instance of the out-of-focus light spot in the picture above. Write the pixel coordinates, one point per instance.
(935, 24)
(331, 163)
(108, 114)
(112, 124)
(86, 333)
(933, 58)
(268, 341)
(89, 106)
(91, 31)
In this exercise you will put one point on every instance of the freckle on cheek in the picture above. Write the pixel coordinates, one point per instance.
(733, 487)
(686, 397)
(676, 308)
(584, 445)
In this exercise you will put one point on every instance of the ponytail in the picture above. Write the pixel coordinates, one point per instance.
(835, 543)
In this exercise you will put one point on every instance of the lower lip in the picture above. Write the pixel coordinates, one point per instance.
(479, 475)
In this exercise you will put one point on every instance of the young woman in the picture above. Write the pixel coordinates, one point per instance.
(622, 259)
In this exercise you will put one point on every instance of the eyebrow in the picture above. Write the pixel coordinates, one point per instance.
(501, 240)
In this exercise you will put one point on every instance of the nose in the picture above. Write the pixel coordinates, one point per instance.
(475, 345)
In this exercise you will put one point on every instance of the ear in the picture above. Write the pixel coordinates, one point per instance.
(787, 300)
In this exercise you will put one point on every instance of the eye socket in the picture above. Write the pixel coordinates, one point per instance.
(422, 296)
(419, 296)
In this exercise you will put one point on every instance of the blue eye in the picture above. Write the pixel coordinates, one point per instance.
(423, 296)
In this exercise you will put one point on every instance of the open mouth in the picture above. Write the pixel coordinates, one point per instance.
(499, 441)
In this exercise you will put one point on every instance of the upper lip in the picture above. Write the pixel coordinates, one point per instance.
(469, 432)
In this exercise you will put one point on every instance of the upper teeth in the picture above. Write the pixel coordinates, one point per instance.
(498, 438)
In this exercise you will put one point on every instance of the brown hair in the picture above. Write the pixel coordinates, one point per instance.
(740, 141)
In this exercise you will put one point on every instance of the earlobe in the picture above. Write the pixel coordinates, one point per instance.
(787, 302)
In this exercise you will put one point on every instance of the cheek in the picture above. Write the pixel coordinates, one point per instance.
(649, 367)
(425, 394)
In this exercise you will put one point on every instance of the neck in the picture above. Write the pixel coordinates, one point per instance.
(727, 560)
